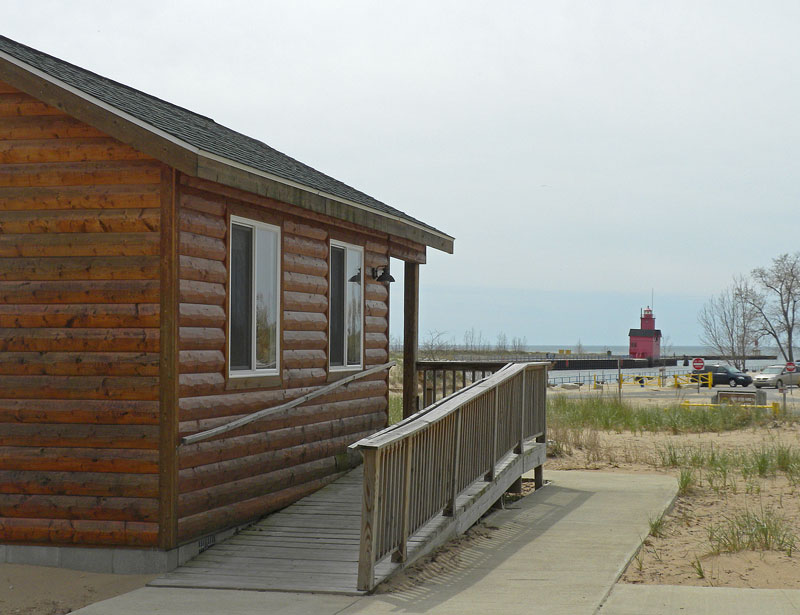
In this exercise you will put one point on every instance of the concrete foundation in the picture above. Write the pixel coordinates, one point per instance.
(110, 560)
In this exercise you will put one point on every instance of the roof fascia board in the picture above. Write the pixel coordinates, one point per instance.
(122, 126)
(197, 163)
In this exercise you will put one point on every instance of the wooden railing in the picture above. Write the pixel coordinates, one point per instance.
(416, 469)
(438, 379)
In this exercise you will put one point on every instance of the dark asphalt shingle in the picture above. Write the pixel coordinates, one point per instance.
(196, 130)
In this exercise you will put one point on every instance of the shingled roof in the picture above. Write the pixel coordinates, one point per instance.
(211, 143)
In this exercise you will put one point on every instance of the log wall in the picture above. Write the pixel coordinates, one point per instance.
(79, 332)
(90, 282)
(268, 464)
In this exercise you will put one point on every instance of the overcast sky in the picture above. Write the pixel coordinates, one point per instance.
(582, 153)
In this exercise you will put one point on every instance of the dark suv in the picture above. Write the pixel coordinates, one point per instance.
(724, 374)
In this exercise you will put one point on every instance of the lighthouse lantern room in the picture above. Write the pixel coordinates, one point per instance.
(645, 342)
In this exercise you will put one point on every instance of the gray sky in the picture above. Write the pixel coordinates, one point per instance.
(582, 153)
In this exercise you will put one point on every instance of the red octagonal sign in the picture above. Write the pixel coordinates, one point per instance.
(790, 367)
(698, 363)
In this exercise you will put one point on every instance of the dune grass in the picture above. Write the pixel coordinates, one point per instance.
(765, 530)
(609, 414)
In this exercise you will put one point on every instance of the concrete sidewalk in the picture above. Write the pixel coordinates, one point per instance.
(686, 600)
(560, 550)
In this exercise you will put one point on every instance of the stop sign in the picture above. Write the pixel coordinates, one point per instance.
(790, 367)
(698, 363)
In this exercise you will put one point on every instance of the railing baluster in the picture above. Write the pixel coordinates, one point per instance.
(402, 548)
(493, 436)
(450, 509)
(370, 508)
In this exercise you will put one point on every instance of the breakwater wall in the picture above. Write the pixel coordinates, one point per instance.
(610, 363)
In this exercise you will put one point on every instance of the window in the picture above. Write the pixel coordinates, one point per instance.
(254, 298)
(346, 301)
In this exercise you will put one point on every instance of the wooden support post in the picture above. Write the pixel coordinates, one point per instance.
(410, 338)
(168, 367)
(370, 507)
(538, 471)
(401, 554)
(450, 508)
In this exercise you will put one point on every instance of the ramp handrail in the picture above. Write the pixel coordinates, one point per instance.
(260, 414)
(416, 469)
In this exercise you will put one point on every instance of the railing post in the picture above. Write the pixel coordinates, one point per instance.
(490, 474)
(521, 446)
(402, 549)
(450, 508)
(541, 425)
(369, 519)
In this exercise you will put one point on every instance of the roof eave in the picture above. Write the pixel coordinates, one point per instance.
(232, 174)
(196, 163)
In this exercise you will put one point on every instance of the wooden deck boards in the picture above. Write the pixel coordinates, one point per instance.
(310, 546)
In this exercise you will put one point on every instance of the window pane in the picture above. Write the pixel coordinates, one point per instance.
(266, 299)
(241, 297)
(337, 306)
(354, 302)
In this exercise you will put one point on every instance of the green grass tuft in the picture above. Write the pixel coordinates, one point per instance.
(686, 481)
(764, 531)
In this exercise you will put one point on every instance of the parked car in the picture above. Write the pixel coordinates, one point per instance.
(776, 376)
(725, 374)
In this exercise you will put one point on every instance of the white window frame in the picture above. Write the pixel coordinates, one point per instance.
(342, 368)
(256, 224)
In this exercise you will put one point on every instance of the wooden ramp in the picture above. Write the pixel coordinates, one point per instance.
(310, 546)
(313, 545)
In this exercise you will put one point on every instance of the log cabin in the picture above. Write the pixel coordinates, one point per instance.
(162, 275)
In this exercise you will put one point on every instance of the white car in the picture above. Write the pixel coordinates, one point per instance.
(775, 376)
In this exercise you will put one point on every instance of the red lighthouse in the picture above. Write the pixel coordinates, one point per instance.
(645, 341)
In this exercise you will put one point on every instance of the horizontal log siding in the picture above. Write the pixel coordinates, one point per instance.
(268, 464)
(79, 332)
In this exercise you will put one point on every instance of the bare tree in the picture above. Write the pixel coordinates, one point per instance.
(519, 344)
(776, 298)
(502, 342)
(731, 325)
(435, 347)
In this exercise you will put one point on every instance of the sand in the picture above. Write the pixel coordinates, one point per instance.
(682, 553)
(43, 590)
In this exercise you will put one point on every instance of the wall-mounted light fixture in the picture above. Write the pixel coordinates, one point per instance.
(381, 274)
